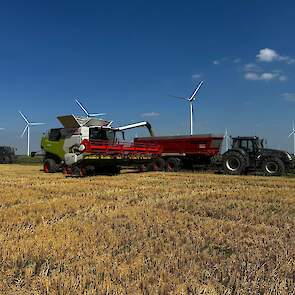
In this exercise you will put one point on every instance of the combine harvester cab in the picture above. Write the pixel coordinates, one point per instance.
(86, 146)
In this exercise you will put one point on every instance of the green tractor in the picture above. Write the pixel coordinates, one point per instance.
(248, 154)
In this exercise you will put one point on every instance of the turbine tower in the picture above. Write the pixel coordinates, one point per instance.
(27, 128)
(293, 133)
(226, 139)
(191, 100)
(89, 115)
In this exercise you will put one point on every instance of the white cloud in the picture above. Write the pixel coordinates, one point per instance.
(151, 114)
(252, 67)
(251, 76)
(283, 78)
(237, 60)
(268, 76)
(226, 60)
(287, 59)
(196, 76)
(264, 76)
(289, 96)
(269, 55)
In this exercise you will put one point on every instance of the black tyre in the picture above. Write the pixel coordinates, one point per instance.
(50, 166)
(273, 167)
(5, 160)
(173, 165)
(158, 165)
(143, 167)
(234, 163)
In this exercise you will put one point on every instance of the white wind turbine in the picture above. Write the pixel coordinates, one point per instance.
(89, 115)
(191, 100)
(27, 128)
(226, 140)
(293, 133)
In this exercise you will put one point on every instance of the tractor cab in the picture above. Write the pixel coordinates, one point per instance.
(249, 144)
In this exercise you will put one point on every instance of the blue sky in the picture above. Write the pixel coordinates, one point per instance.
(125, 57)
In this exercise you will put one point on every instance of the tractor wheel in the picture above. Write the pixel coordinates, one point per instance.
(173, 165)
(234, 163)
(273, 167)
(49, 166)
(158, 164)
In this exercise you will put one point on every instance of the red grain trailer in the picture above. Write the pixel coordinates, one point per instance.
(185, 151)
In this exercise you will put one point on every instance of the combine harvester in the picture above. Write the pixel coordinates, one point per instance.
(86, 146)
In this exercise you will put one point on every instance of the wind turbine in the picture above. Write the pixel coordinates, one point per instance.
(293, 133)
(191, 100)
(226, 139)
(27, 128)
(89, 115)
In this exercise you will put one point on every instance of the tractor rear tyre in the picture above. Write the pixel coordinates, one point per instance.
(158, 165)
(50, 166)
(172, 165)
(234, 163)
(273, 167)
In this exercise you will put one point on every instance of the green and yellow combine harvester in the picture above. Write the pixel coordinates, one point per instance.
(85, 146)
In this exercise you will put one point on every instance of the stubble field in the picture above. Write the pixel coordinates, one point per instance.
(150, 233)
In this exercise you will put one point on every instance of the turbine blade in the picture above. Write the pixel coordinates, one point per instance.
(24, 117)
(180, 97)
(2, 128)
(36, 124)
(96, 115)
(81, 106)
(192, 97)
(24, 131)
(293, 132)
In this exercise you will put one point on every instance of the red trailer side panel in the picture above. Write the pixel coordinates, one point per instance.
(206, 145)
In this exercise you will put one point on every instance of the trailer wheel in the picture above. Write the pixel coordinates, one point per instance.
(158, 164)
(49, 166)
(273, 167)
(143, 168)
(173, 165)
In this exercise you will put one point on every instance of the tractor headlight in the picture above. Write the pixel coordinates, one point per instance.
(81, 147)
(289, 156)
